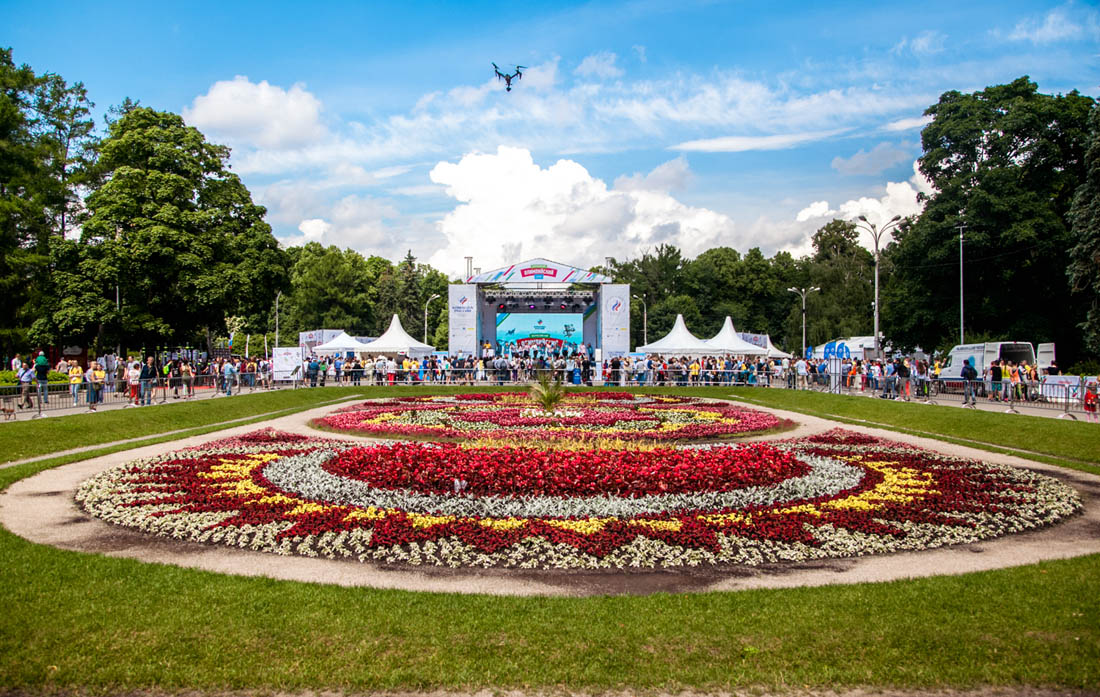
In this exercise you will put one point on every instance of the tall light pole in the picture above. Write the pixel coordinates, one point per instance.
(277, 296)
(961, 227)
(434, 296)
(645, 319)
(877, 234)
(802, 292)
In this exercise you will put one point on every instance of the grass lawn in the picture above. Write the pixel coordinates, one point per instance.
(76, 621)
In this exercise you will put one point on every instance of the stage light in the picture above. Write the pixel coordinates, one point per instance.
(562, 306)
(500, 306)
(531, 306)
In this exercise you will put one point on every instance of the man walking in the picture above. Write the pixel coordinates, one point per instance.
(26, 377)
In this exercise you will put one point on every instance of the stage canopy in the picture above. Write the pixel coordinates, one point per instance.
(539, 271)
(727, 341)
(397, 340)
(341, 343)
(679, 342)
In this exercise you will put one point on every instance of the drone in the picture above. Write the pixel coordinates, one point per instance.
(518, 75)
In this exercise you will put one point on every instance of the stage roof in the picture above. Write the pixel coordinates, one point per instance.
(539, 271)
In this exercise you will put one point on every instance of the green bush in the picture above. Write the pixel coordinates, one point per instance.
(1090, 367)
(7, 377)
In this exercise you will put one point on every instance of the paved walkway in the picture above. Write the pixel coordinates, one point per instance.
(42, 509)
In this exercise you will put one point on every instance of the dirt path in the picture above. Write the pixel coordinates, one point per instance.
(42, 509)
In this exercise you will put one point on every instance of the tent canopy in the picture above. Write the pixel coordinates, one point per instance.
(727, 341)
(397, 340)
(773, 352)
(341, 343)
(679, 342)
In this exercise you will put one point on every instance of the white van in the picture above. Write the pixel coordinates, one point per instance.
(981, 355)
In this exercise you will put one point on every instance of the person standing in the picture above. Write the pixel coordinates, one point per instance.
(133, 377)
(42, 375)
(76, 378)
(26, 378)
(96, 377)
(187, 375)
(148, 377)
(16, 364)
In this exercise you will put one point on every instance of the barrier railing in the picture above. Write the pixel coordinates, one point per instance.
(36, 400)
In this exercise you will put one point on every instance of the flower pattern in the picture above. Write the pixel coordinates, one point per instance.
(582, 416)
(837, 494)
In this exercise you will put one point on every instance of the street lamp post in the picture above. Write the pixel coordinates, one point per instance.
(434, 296)
(277, 296)
(802, 292)
(961, 227)
(645, 319)
(877, 234)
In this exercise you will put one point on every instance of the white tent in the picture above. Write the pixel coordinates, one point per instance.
(727, 341)
(397, 340)
(679, 342)
(341, 343)
(773, 352)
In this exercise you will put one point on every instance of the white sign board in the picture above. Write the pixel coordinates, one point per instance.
(286, 360)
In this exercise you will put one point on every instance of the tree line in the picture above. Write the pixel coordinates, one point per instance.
(138, 234)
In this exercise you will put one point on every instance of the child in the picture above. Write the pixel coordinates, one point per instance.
(1091, 400)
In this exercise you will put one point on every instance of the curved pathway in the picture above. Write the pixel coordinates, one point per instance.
(42, 509)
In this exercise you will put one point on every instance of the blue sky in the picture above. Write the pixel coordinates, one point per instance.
(380, 126)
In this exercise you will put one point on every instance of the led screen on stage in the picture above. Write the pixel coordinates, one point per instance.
(546, 329)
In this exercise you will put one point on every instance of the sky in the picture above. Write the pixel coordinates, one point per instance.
(382, 127)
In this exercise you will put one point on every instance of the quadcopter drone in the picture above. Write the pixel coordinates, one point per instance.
(518, 75)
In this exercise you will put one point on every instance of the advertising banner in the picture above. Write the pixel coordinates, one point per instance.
(759, 340)
(615, 319)
(308, 340)
(539, 271)
(462, 319)
(286, 360)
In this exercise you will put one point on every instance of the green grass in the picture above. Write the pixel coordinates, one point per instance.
(81, 622)
(77, 621)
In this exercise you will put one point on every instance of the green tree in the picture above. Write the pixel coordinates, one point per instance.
(331, 289)
(174, 231)
(1084, 269)
(1006, 162)
(46, 151)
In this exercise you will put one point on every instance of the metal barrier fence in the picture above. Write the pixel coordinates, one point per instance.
(40, 400)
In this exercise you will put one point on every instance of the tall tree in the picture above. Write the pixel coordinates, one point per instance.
(1084, 269)
(174, 232)
(1005, 162)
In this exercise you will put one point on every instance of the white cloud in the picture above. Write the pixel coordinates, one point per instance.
(879, 159)
(673, 175)
(601, 65)
(908, 124)
(1056, 26)
(926, 43)
(510, 208)
(258, 114)
(743, 143)
(817, 209)
(900, 198)
(639, 51)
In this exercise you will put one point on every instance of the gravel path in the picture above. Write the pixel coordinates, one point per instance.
(42, 509)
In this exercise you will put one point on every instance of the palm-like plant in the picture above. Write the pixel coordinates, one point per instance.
(548, 393)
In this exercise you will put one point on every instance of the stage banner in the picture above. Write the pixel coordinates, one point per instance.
(615, 319)
(539, 271)
(462, 320)
(285, 360)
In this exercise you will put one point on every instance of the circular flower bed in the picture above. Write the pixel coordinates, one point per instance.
(834, 495)
(580, 416)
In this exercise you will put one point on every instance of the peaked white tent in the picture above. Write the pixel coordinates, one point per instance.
(397, 340)
(727, 341)
(341, 343)
(773, 352)
(679, 342)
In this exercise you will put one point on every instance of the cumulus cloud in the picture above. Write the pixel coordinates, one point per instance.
(512, 208)
(900, 198)
(744, 143)
(600, 65)
(673, 175)
(879, 159)
(258, 114)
